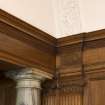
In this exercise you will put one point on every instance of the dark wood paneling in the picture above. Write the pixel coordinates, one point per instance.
(95, 92)
(65, 96)
(98, 92)
(27, 46)
(70, 54)
(7, 92)
(94, 58)
(70, 60)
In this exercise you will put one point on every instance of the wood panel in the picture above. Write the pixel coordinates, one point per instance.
(70, 60)
(98, 92)
(94, 55)
(7, 91)
(70, 96)
(95, 92)
(27, 46)
(71, 55)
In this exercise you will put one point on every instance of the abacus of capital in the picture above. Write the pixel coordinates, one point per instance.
(28, 85)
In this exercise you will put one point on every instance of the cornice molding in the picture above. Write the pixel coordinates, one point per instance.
(43, 36)
(77, 38)
(68, 40)
(25, 45)
(38, 49)
(26, 28)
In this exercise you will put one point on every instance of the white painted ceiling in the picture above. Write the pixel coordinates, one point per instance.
(59, 18)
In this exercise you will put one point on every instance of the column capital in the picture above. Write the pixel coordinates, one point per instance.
(28, 77)
(29, 73)
(28, 85)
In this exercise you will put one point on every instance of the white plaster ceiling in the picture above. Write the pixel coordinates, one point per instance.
(59, 18)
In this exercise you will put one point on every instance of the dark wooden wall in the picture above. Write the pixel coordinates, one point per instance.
(69, 59)
(7, 92)
(65, 96)
(70, 54)
(97, 92)
(27, 46)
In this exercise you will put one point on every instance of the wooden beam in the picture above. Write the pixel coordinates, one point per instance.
(25, 45)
